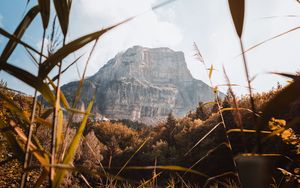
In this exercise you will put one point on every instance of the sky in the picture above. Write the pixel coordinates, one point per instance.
(177, 26)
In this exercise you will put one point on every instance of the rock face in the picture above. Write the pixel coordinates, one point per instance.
(144, 84)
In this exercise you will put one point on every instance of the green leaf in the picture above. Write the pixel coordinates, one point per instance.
(237, 9)
(45, 12)
(10, 104)
(69, 48)
(11, 45)
(29, 79)
(62, 8)
(73, 146)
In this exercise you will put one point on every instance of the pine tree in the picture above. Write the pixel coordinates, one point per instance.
(200, 112)
(170, 128)
(228, 115)
(171, 121)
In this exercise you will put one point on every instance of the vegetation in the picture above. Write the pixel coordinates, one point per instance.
(208, 147)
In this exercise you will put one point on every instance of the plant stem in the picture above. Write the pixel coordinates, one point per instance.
(253, 108)
(54, 122)
(27, 159)
(27, 154)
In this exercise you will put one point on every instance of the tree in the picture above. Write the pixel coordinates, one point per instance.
(170, 128)
(227, 115)
(200, 112)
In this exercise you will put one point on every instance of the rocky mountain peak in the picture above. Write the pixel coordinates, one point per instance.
(145, 84)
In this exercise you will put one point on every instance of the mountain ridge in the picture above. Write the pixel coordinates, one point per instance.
(144, 84)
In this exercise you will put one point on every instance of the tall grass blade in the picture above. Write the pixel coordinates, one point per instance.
(167, 167)
(62, 8)
(10, 104)
(73, 146)
(45, 12)
(208, 133)
(63, 98)
(59, 135)
(69, 48)
(141, 146)
(29, 79)
(237, 9)
(269, 39)
(12, 141)
(39, 154)
(17, 40)
(62, 72)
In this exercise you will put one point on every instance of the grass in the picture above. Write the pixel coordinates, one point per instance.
(57, 159)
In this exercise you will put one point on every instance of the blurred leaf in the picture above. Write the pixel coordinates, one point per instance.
(238, 109)
(210, 71)
(45, 12)
(294, 77)
(29, 79)
(285, 172)
(269, 39)
(11, 105)
(60, 118)
(69, 48)
(13, 143)
(209, 103)
(280, 102)
(73, 146)
(237, 9)
(228, 85)
(34, 149)
(62, 8)
(11, 45)
(62, 96)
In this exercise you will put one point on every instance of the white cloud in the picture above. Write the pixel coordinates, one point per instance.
(145, 30)
(208, 23)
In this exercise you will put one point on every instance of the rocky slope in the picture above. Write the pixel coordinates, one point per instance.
(143, 84)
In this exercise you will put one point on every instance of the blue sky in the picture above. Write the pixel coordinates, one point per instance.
(178, 25)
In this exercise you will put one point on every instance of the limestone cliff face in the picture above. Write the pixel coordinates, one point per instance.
(144, 84)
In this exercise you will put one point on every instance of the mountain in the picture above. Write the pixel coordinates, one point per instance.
(143, 84)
